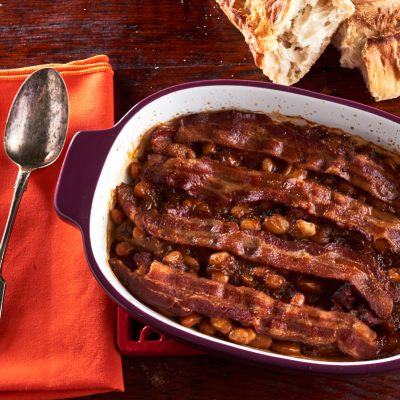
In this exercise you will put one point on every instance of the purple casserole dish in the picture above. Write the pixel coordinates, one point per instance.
(96, 162)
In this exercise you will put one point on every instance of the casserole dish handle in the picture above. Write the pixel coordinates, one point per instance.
(79, 174)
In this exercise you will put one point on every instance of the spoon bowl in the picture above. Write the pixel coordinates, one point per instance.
(37, 123)
(34, 137)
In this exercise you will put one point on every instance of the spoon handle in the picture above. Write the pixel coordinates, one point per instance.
(20, 186)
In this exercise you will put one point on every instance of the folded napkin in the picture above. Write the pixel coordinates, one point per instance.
(57, 327)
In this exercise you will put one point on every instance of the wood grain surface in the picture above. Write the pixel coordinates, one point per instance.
(153, 44)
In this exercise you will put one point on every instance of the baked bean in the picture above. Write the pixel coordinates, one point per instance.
(250, 224)
(261, 342)
(142, 189)
(206, 327)
(137, 233)
(267, 165)
(274, 281)
(287, 170)
(190, 320)
(191, 262)
(308, 285)
(196, 205)
(148, 243)
(261, 271)
(134, 170)
(394, 275)
(219, 258)
(124, 249)
(222, 325)
(208, 148)
(117, 216)
(276, 224)
(305, 229)
(173, 258)
(240, 211)
(219, 277)
(242, 335)
(222, 262)
(298, 299)
(286, 348)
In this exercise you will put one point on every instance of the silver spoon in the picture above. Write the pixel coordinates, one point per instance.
(34, 137)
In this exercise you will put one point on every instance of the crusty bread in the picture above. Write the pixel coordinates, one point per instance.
(373, 18)
(286, 37)
(369, 40)
(381, 66)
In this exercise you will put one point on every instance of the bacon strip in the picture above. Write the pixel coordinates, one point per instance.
(315, 148)
(331, 261)
(183, 293)
(213, 181)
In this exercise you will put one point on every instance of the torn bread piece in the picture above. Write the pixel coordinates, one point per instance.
(381, 66)
(369, 40)
(286, 37)
(373, 18)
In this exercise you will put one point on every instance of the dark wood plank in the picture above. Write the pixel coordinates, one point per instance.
(210, 377)
(152, 45)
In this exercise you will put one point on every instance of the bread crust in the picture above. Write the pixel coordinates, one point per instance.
(286, 37)
(382, 17)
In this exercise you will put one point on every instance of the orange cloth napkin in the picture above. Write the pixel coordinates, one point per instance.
(57, 327)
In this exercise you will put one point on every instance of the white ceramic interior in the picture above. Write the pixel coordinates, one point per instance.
(215, 97)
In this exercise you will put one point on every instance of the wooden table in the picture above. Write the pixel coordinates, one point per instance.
(153, 44)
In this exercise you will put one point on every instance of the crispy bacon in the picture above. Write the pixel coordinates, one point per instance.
(183, 293)
(213, 181)
(162, 143)
(315, 148)
(331, 261)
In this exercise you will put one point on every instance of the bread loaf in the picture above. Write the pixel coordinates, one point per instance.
(286, 37)
(369, 40)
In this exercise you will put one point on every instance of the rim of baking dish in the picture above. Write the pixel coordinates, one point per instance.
(175, 330)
